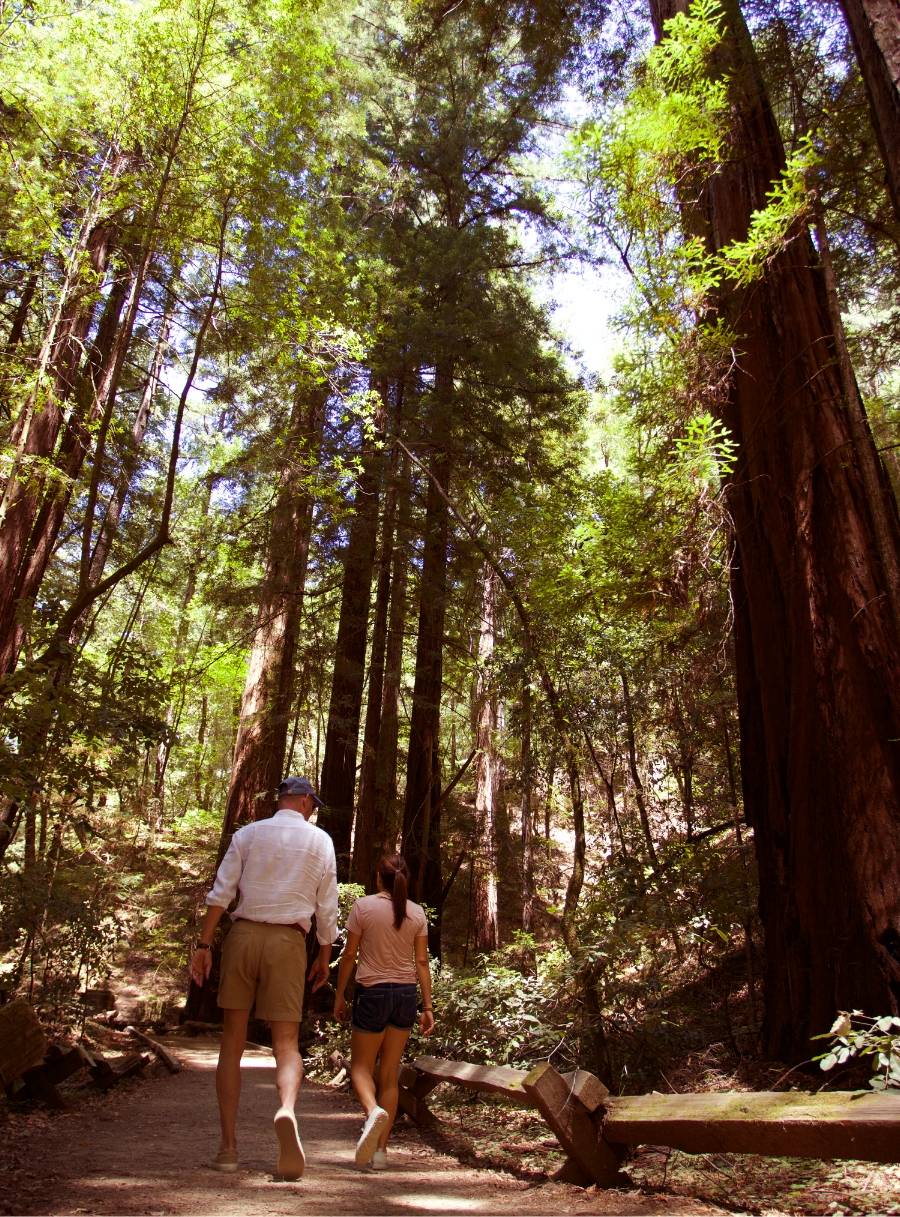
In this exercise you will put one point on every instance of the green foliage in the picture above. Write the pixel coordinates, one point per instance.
(348, 894)
(855, 1034)
(497, 1014)
(67, 938)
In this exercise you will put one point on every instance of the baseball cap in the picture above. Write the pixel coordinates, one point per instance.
(292, 786)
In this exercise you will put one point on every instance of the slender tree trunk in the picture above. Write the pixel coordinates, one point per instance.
(421, 843)
(484, 846)
(816, 550)
(94, 396)
(338, 781)
(635, 775)
(560, 718)
(266, 703)
(548, 801)
(17, 327)
(875, 32)
(386, 755)
(37, 428)
(369, 812)
(526, 768)
(113, 513)
(182, 662)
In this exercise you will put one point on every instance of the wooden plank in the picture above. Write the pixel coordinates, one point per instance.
(420, 1084)
(578, 1134)
(414, 1086)
(23, 1043)
(495, 1079)
(587, 1087)
(849, 1124)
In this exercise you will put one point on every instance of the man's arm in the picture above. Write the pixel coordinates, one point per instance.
(201, 957)
(224, 890)
(326, 920)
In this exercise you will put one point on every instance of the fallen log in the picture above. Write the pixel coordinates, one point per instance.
(167, 1059)
(106, 1076)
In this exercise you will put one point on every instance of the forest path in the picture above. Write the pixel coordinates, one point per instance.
(146, 1150)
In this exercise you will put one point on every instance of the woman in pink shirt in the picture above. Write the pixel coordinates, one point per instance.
(390, 933)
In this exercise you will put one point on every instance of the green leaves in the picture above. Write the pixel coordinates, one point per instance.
(858, 1035)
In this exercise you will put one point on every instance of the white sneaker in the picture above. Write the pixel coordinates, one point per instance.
(291, 1158)
(368, 1138)
(379, 1161)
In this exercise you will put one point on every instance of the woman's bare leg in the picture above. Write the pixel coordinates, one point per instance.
(364, 1047)
(393, 1044)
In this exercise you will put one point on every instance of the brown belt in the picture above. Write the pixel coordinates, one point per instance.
(282, 925)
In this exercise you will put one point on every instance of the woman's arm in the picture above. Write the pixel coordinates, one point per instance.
(423, 972)
(348, 959)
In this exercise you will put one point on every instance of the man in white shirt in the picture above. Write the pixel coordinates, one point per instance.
(284, 871)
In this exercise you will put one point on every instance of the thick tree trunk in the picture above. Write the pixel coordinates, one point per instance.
(875, 32)
(338, 781)
(266, 703)
(816, 549)
(483, 855)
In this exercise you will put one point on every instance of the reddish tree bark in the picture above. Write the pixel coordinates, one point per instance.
(875, 32)
(816, 550)
(266, 703)
(94, 396)
(37, 428)
(370, 814)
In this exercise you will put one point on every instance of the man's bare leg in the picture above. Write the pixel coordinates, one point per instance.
(288, 1075)
(288, 1062)
(228, 1073)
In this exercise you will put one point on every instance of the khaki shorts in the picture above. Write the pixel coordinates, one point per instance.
(266, 964)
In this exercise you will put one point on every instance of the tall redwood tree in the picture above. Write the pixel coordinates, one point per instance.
(814, 581)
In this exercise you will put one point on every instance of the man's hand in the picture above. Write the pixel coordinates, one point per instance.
(318, 973)
(201, 965)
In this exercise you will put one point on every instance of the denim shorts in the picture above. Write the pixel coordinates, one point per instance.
(387, 1005)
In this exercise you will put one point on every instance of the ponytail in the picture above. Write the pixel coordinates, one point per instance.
(394, 875)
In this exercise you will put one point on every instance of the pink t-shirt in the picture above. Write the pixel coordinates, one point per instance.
(386, 954)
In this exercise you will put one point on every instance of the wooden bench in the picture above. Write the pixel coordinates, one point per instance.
(597, 1129)
(571, 1104)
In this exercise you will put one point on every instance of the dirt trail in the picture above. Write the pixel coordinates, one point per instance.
(147, 1151)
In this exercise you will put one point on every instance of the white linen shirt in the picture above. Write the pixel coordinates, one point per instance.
(284, 869)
